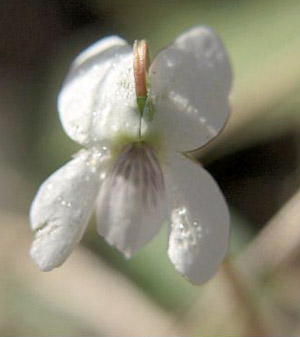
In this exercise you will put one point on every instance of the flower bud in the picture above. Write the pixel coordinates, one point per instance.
(140, 66)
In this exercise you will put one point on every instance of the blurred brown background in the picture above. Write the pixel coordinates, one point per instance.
(255, 161)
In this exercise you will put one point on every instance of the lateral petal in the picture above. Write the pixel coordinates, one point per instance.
(199, 224)
(62, 207)
(190, 83)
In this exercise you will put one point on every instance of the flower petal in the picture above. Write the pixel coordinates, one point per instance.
(190, 82)
(131, 203)
(200, 221)
(62, 207)
(97, 99)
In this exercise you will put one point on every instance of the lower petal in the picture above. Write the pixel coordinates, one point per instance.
(199, 228)
(62, 207)
(131, 204)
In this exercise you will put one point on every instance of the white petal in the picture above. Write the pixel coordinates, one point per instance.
(97, 99)
(131, 203)
(96, 50)
(62, 207)
(190, 82)
(200, 221)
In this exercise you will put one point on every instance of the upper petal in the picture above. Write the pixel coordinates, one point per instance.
(131, 203)
(97, 99)
(200, 221)
(190, 82)
(62, 207)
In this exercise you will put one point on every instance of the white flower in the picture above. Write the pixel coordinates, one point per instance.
(135, 124)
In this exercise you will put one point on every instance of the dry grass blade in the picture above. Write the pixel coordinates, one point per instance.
(84, 287)
(226, 307)
(278, 242)
(232, 296)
